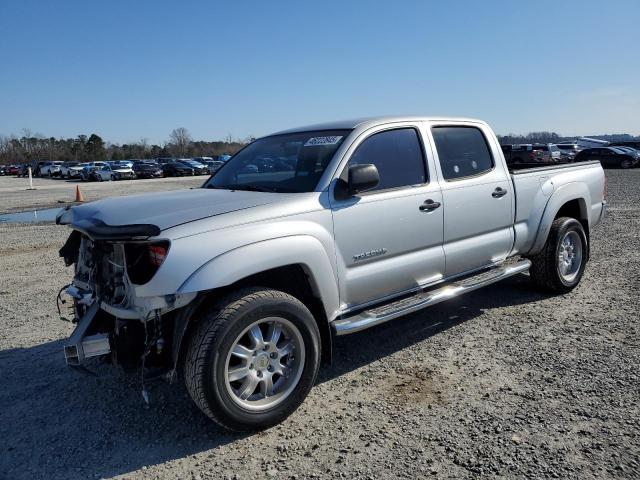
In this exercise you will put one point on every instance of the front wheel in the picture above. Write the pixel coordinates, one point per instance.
(559, 266)
(253, 359)
(626, 163)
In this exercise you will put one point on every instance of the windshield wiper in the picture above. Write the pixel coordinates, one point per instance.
(247, 188)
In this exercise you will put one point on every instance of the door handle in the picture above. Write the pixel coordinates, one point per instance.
(429, 205)
(499, 192)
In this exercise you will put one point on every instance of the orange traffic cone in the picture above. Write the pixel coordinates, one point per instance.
(79, 197)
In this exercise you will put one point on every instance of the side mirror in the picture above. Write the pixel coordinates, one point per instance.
(363, 178)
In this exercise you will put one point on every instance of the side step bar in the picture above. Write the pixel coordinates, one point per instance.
(404, 306)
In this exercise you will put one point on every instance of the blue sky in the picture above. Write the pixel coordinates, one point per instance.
(137, 69)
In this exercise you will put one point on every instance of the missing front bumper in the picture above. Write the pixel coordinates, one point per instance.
(81, 346)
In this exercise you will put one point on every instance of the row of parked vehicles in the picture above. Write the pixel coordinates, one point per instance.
(621, 155)
(120, 169)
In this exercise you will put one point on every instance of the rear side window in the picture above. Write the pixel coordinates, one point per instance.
(397, 154)
(463, 151)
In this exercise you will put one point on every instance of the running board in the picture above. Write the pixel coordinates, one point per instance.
(404, 306)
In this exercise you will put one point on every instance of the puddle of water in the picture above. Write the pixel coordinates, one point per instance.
(46, 215)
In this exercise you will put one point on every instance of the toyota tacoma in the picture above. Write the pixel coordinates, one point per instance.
(239, 286)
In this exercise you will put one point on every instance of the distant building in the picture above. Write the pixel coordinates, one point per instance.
(586, 142)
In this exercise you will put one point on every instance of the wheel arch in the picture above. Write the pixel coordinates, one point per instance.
(272, 264)
(570, 200)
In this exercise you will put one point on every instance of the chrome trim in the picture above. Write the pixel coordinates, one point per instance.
(366, 319)
(422, 286)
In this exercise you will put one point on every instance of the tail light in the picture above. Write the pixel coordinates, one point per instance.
(157, 254)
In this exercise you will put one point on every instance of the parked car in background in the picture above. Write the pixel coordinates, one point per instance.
(519, 153)
(3, 169)
(113, 172)
(224, 157)
(176, 169)
(213, 166)
(12, 170)
(608, 157)
(202, 160)
(546, 152)
(23, 170)
(71, 169)
(147, 170)
(86, 175)
(122, 163)
(568, 151)
(198, 168)
(148, 161)
(50, 169)
(629, 150)
(163, 160)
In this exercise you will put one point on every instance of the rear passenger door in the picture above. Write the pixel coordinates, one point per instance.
(387, 240)
(477, 197)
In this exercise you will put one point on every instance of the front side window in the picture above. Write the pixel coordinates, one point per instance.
(463, 151)
(288, 163)
(397, 154)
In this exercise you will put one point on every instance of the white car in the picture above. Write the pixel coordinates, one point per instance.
(71, 169)
(113, 172)
(50, 169)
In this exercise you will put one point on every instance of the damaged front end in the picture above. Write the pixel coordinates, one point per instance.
(113, 321)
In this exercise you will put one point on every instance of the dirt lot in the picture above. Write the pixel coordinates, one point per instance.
(48, 192)
(503, 382)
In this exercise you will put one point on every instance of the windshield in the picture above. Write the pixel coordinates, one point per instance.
(290, 163)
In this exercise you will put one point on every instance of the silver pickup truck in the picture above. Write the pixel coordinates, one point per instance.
(239, 286)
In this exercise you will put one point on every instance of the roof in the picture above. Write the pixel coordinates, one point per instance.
(369, 122)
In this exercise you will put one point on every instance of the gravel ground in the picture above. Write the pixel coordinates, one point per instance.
(502, 382)
(57, 192)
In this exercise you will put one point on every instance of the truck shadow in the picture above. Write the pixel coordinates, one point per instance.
(56, 423)
(354, 351)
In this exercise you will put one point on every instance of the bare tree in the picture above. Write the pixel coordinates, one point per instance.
(180, 139)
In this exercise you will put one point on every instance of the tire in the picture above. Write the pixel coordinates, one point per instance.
(208, 365)
(548, 265)
(626, 163)
(113, 178)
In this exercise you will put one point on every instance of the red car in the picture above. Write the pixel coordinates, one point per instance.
(12, 170)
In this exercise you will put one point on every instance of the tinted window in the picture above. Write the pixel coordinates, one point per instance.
(463, 151)
(397, 154)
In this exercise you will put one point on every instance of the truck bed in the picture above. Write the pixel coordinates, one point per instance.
(518, 168)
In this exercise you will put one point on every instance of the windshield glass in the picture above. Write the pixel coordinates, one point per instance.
(290, 163)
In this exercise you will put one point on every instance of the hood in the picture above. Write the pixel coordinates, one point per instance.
(163, 209)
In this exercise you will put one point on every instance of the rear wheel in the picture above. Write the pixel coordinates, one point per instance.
(559, 266)
(253, 359)
(626, 163)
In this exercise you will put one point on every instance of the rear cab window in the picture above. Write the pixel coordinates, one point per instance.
(463, 151)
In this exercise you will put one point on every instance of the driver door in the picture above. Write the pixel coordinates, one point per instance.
(387, 243)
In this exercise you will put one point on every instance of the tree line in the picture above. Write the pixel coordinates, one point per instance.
(31, 147)
(89, 148)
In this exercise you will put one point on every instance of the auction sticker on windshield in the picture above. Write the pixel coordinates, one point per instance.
(317, 141)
